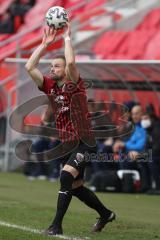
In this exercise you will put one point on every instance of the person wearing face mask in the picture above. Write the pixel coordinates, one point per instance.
(132, 152)
(152, 126)
(146, 123)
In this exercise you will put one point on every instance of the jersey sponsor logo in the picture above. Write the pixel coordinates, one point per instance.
(60, 100)
(64, 109)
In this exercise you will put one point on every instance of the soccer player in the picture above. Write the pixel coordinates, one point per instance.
(66, 91)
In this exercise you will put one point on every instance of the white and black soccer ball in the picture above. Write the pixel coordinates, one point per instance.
(56, 17)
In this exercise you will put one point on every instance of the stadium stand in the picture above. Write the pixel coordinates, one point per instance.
(125, 45)
(110, 45)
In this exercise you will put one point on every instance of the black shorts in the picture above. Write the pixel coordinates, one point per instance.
(79, 158)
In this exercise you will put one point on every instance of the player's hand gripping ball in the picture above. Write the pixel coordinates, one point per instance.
(56, 17)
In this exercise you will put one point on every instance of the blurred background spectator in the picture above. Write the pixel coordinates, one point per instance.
(7, 22)
(21, 7)
(13, 17)
(38, 168)
(133, 149)
(152, 125)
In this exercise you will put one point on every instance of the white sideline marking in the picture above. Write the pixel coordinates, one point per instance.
(31, 230)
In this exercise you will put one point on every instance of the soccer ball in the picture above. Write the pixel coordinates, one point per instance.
(56, 17)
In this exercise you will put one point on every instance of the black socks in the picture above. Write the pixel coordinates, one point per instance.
(91, 200)
(64, 197)
(83, 193)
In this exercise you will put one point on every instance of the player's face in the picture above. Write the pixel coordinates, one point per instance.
(57, 70)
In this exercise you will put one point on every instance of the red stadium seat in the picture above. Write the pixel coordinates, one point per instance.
(4, 36)
(123, 45)
(6, 70)
(150, 21)
(76, 5)
(109, 43)
(153, 48)
(119, 95)
(135, 48)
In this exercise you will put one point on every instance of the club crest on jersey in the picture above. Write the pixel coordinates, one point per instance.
(59, 99)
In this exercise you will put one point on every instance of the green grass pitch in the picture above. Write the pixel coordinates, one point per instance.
(33, 204)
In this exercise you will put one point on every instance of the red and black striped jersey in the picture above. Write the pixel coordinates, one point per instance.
(69, 104)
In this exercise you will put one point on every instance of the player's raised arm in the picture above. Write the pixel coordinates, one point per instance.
(31, 65)
(72, 71)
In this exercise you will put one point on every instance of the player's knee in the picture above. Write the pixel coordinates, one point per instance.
(66, 180)
(71, 170)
